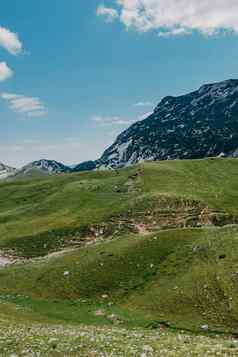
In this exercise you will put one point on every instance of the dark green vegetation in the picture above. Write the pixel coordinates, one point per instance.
(151, 243)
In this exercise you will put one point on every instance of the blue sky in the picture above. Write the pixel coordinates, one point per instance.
(80, 72)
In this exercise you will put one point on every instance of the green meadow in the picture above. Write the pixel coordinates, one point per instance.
(148, 253)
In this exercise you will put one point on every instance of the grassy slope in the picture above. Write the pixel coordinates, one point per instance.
(175, 276)
(61, 203)
(185, 276)
(213, 181)
(54, 209)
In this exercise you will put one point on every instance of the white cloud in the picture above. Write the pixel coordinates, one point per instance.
(175, 32)
(5, 71)
(178, 17)
(10, 41)
(114, 120)
(110, 14)
(31, 106)
(143, 104)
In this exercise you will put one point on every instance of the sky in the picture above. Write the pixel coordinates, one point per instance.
(74, 74)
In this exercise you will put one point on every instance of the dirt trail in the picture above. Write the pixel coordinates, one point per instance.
(142, 229)
(58, 253)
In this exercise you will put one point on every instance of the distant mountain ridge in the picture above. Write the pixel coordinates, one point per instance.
(200, 124)
(42, 167)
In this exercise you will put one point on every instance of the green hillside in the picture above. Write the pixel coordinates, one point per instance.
(38, 216)
(150, 245)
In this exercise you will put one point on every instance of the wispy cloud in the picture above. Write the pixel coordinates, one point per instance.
(174, 32)
(31, 106)
(113, 120)
(116, 120)
(10, 41)
(37, 145)
(37, 114)
(109, 14)
(5, 71)
(177, 17)
(69, 150)
(143, 104)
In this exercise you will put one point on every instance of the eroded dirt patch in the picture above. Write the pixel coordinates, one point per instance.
(6, 260)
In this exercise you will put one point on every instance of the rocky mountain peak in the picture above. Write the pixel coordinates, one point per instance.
(200, 124)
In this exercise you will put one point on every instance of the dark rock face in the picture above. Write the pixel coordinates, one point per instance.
(200, 124)
(85, 166)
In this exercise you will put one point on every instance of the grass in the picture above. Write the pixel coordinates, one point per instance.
(52, 212)
(176, 276)
(39, 340)
(181, 271)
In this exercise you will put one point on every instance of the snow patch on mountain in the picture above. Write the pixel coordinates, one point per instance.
(47, 166)
(6, 171)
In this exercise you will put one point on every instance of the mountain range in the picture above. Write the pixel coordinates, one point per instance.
(6, 171)
(200, 124)
(197, 125)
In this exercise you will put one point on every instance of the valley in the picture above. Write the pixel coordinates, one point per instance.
(150, 249)
(119, 178)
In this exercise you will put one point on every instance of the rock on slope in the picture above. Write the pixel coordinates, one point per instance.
(200, 124)
(6, 171)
